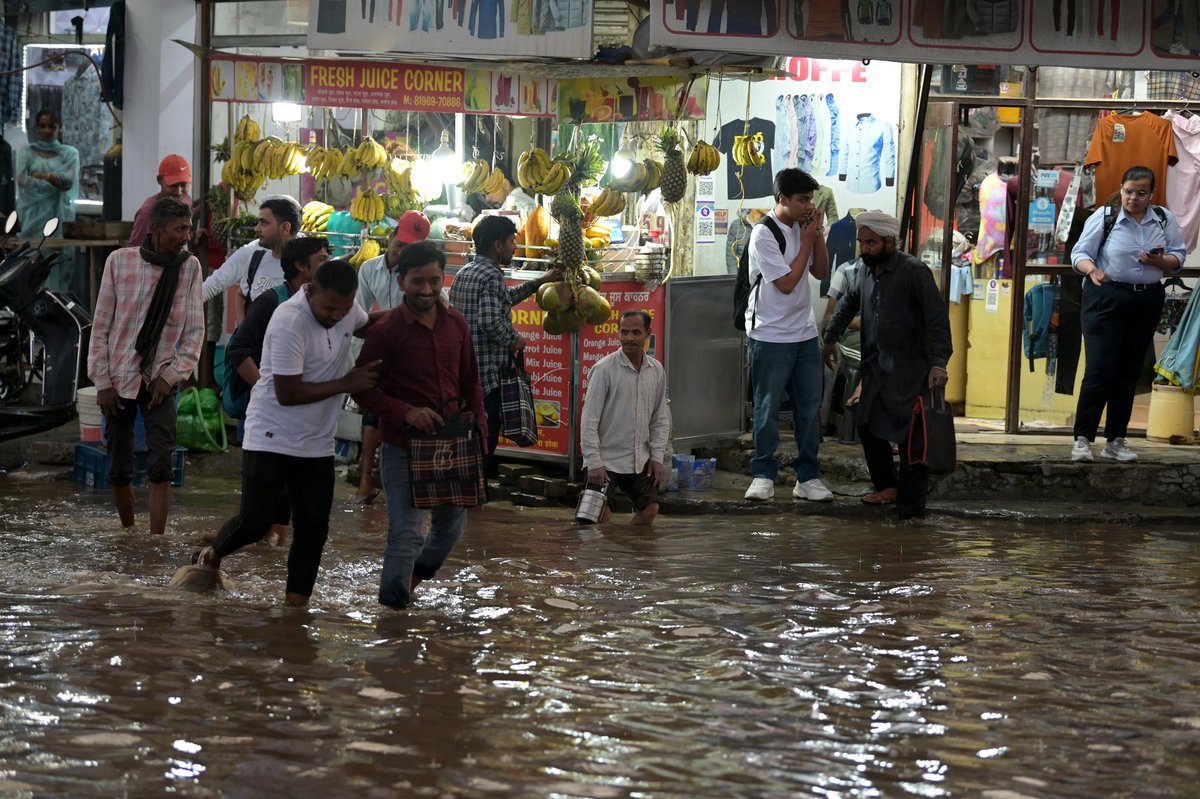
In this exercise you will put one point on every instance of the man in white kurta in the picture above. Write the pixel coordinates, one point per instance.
(626, 422)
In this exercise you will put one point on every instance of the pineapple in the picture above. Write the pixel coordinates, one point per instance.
(674, 173)
(586, 166)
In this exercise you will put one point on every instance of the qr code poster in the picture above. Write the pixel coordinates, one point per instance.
(705, 224)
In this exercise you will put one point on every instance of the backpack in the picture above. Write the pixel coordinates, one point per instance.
(741, 283)
(255, 262)
(235, 391)
(1041, 321)
(1110, 219)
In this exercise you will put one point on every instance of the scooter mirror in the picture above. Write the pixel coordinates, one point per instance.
(10, 224)
(49, 228)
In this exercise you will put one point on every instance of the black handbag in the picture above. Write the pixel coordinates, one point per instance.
(931, 441)
(446, 467)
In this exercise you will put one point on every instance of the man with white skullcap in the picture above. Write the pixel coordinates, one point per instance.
(905, 348)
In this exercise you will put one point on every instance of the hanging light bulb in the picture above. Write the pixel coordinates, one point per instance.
(446, 161)
(622, 160)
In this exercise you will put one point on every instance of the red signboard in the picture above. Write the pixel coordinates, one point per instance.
(597, 341)
(374, 85)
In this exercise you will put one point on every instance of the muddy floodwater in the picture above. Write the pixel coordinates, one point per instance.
(779, 656)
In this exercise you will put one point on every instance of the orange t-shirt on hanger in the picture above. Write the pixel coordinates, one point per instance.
(1142, 140)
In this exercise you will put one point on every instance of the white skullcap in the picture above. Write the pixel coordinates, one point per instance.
(883, 224)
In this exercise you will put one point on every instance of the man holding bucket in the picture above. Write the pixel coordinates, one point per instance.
(626, 423)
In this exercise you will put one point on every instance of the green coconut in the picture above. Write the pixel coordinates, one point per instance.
(592, 306)
(555, 297)
(572, 322)
(593, 278)
(552, 324)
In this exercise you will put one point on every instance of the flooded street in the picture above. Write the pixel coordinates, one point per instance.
(713, 657)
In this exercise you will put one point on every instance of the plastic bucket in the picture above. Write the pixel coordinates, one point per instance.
(1172, 413)
(90, 417)
(591, 504)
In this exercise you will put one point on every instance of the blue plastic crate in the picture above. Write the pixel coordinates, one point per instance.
(91, 466)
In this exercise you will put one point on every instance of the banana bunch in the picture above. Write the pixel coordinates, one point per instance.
(398, 176)
(475, 175)
(242, 155)
(704, 158)
(276, 159)
(314, 216)
(597, 237)
(643, 178)
(610, 203)
(370, 154)
(747, 150)
(244, 182)
(368, 250)
(366, 207)
(324, 163)
(538, 174)
(247, 130)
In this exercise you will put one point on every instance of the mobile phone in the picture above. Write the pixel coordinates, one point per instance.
(1158, 251)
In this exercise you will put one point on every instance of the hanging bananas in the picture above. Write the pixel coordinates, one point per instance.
(703, 159)
(538, 174)
(247, 130)
(644, 177)
(610, 203)
(747, 150)
(366, 207)
(244, 182)
(314, 216)
(324, 163)
(369, 249)
(370, 154)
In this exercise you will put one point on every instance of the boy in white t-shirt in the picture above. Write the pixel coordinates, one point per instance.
(785, 353)
(291, 422)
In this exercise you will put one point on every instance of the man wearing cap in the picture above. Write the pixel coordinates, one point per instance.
(377, 285)
(905, 349)
(174, 180)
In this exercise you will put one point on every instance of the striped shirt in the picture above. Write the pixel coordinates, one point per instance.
(125, 293)
(625, 420)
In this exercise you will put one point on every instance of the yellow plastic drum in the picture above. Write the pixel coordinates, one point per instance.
(1172, 413)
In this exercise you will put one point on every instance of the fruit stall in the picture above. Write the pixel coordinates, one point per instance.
(354, 180)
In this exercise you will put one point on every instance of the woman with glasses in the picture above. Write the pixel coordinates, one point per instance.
(1123, 253)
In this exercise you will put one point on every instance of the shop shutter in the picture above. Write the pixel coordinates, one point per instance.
(612, 24)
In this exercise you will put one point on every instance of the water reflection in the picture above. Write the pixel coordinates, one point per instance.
(756, 657)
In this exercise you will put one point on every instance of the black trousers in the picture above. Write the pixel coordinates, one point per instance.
(911, 485)
(267, 479)
(160, 439)
(1118, 328)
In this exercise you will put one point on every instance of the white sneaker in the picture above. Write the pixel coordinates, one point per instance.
(1081, 451)
(1116, 450)
(813, 490)
(761, 489)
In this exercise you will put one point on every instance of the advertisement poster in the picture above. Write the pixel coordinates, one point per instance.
(630, 99)
(556, 28)
(346, 83)
(1160, 34)
(836, 120)
(597, 341)
(548, 361)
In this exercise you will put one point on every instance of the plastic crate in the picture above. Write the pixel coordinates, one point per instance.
(91, 466)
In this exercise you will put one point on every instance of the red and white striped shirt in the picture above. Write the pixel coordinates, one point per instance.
(121, 306)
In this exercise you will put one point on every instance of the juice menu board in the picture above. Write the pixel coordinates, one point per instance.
(595, 342)
(548, 361)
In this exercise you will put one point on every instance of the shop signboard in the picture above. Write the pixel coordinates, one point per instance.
(1111, 36)
(548, 361)
(597, 341)
(388, 86)
(519, 28)
(595, 100)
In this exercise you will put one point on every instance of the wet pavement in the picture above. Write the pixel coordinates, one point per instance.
(777, 655)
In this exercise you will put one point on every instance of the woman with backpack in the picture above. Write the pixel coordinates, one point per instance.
(1124, 252)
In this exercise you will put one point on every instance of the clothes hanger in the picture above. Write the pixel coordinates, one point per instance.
(1174, 282)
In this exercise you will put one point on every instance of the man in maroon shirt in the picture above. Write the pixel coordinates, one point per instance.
(174, 180)
(427, 358)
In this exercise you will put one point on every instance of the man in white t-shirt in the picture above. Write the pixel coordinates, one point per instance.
(785, 353)
(291, 421)
(256, 266)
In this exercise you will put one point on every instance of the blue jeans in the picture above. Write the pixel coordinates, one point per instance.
(794, 367)
(408, 554)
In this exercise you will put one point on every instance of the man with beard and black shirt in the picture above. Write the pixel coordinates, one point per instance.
(479, 294)
(905, 348)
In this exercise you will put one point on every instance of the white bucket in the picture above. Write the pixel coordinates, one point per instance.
(90, 416)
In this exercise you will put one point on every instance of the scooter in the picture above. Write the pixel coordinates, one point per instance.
(42, 335)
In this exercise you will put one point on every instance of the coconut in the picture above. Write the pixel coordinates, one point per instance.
(593, 278)
(572, 322)
(592, 306)
(555, 297)
(552, 324)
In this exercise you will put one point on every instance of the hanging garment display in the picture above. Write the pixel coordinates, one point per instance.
(993, 218)
(868, 155)
(1125, 140)
(785, 129)
(757, 180)
(112, 71)
(806, 132)
(1183, 185)
(820, 161)
(1179, 363)
(85, 118)
(1063, 133)
(12, 81)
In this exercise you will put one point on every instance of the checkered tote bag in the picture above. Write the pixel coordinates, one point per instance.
(446, 468)
(517, 420)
